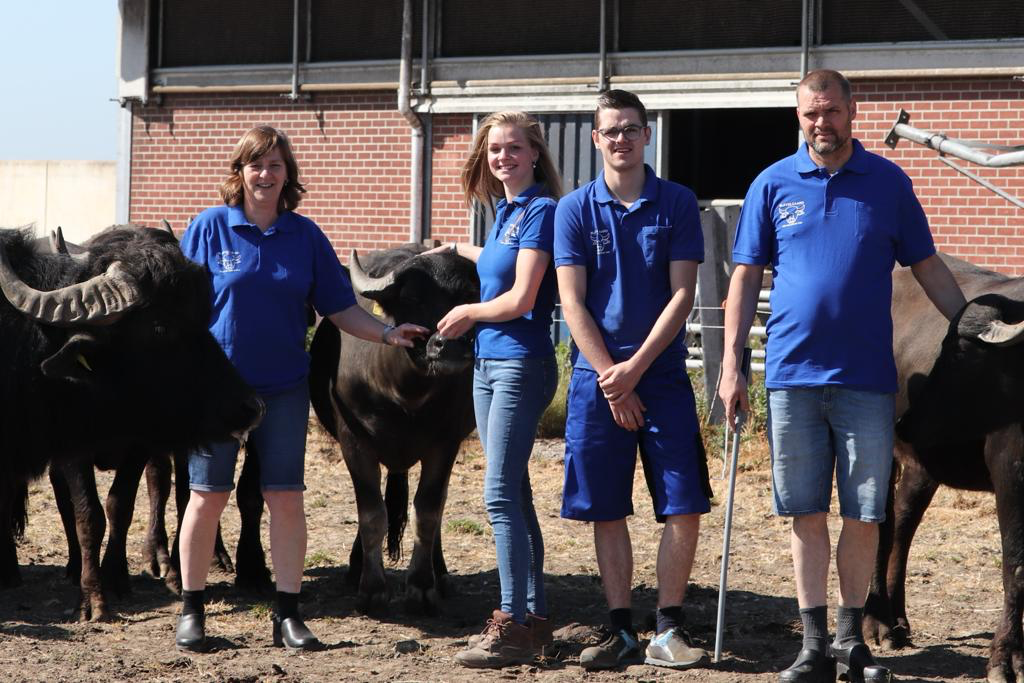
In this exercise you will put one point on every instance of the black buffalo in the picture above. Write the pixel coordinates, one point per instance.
(961, 413)
(397, 407)
(105, 350)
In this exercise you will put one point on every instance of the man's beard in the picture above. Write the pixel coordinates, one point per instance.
(828, 147)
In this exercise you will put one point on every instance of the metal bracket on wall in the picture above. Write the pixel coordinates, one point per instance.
(969, 151)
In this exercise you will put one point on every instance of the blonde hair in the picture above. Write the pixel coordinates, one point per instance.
(256, 143)
(477, 180)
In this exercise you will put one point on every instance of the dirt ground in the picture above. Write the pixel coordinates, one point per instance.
(954, 593)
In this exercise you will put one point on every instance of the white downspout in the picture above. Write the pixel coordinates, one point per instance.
(418, 137)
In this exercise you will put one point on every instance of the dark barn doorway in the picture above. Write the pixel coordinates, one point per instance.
(717, 153)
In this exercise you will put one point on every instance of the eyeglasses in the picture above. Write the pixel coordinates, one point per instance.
(632, 132)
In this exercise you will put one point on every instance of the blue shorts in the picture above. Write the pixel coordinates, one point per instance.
(814, 430)
(600, 456)
(279, 442)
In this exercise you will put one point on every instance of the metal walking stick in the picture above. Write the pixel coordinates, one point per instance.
(720, 623)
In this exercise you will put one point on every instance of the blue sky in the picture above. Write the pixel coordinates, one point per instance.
(57, 78)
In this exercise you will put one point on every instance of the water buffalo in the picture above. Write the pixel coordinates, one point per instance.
(395, 407)
(960, 418)
(103, 351)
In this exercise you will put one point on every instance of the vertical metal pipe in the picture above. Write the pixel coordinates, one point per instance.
(160, 35)
(404, 108)
(295, 51)
(804, 30)
(602, 75)
(425, 54)
(123, 192)
(309, 31)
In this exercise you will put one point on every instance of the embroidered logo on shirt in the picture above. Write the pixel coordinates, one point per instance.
(511, 236)
(790, 213)
(229, 261)
(602, 240)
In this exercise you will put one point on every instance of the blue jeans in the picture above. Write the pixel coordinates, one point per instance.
(509, 396)
(279, 442)
(814, 430)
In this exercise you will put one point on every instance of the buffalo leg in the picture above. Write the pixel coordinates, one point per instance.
(66, 509)
(251, 571)
(12, 521)
(422, 585)
(373, 524)
(913, 496)
(90, 524)
(1004, 453)
(156, 553)
(181, 496)
(355, 562)
(120, 509)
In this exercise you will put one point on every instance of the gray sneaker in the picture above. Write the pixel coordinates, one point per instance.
(618, 648)
(673, 649)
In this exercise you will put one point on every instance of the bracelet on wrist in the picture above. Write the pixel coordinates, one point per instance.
(455, 248)
(385, 333)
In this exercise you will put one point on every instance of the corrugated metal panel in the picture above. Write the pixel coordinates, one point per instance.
(708, 24)
(883, 21)
(476, 28)
(204, 33)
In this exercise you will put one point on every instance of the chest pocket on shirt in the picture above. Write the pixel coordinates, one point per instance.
(654, 242)
(872, 225)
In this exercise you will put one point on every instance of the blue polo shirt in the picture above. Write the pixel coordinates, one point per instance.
(527, 222)
(627, 253)
(261, 283)
(832, 242)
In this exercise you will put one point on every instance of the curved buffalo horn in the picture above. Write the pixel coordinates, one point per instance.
(57, 243)
(363, 283)
(90, 302)
(1001, 334)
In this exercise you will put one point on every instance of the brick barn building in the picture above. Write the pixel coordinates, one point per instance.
(717, 75)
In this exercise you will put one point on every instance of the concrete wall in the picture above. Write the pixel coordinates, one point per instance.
(79, 196)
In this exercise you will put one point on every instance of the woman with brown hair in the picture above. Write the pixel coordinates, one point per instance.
(265, 263)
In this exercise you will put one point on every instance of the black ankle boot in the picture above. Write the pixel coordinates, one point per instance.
(811, 666)
(292, 633)
(191, 633)
(854, 663)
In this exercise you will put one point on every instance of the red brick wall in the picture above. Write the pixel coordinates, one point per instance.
(450, 218)
(967, 220)
(353, 150)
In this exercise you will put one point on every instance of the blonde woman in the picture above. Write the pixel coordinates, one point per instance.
(515, 372)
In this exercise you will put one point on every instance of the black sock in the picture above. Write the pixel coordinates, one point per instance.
(622, 619)
(669, 618)
(848, 626)
(193, 602)
(287, 605)
(815, 621)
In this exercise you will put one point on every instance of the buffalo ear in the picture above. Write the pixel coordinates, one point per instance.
(71, 362)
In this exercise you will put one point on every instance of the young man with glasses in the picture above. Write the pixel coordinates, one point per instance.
(627, 247)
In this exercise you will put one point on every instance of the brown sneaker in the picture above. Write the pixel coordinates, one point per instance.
(504, 642)
(540, 628)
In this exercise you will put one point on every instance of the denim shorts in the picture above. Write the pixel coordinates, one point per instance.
(279, 442)
(600, 456)
(814, 430)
